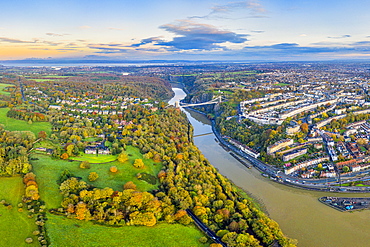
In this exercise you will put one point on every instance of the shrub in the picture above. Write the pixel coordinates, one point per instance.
(203, 240)
(29, 240)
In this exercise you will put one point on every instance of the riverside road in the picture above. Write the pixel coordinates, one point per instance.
(329, 184)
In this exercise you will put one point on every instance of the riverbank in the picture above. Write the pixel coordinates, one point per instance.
(345, 204)
(298, 212)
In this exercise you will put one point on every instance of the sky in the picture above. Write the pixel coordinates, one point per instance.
(249, 30)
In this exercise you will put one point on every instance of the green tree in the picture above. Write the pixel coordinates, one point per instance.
(345, 169)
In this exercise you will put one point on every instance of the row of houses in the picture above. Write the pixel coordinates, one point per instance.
(290, 170)
(279, 145)
(244, 148)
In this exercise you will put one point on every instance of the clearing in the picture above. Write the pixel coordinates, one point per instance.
(20, 125)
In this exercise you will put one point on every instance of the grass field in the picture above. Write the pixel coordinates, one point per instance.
(15, 226)
(93, 159)
(42, 80)
(282, 84)
(2, 86)
(48, 172)
(20, 125)
(78, 233)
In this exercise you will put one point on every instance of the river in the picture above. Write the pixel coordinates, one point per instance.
(299, 213)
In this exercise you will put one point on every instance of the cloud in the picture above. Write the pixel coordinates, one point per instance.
(192, 35)
(84, 27)
(219, 11)
(16, 41)
(147, 41)
(112, 48)
(340, 37)
(257, 31)
(294, 50)
(56, 34)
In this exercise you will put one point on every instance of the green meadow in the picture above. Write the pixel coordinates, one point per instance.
(95, 159)
(76, 233)
(2, 86)
(20, 125)
(49, 170)
(15, 226)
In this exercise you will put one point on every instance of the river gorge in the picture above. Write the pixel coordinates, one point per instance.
(299, 213)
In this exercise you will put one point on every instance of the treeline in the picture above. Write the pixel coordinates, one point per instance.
(14, 147)
(26, 115)
(88, 87)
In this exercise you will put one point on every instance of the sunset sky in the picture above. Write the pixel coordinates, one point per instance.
(185, 29)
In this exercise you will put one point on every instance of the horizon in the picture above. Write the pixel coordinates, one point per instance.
(247, 30)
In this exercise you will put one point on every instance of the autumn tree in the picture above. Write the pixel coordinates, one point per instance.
(129, 186)
(304, 127)
(113, 169)
(139, 163)
(64, 156)
(93, 176)
(85, 164)
(42, 134)
(123, 157)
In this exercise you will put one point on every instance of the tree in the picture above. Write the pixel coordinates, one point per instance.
(203, 239)
(113, 169)
(361, 141)
(85, 164)
(139, 163)
(42, 134)
(70, 149)
(122, 158)
(345, 169)
(304, 128)
(129, 186)
(64, 156)
(93, 176)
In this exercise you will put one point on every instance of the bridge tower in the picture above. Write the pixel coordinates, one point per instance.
(219, 99)
(177, 104)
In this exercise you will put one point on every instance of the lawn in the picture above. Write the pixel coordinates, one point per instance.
(48, 172)
(20, 125)
(72, 232)
(15, 226)
(282, 84)
(2, 86)
(42, 80)
(46, 144)
(92, 158)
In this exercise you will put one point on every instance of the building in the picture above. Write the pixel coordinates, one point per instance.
(244, 148)
(294, 154)
(301, 165)
(55, 107)
(293, 128)
(279, 145)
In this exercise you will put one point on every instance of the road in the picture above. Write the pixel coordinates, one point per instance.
(327, 184)
(205, 229)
